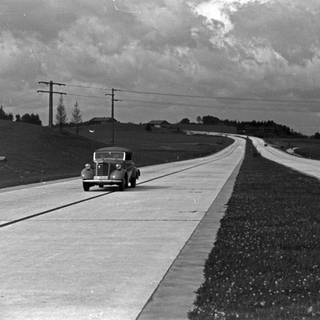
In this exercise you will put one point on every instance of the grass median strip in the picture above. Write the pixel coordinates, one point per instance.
(265, 263)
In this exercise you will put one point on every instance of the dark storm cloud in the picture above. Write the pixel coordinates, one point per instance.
(232, 48)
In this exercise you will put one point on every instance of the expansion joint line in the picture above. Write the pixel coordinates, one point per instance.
(6, 224)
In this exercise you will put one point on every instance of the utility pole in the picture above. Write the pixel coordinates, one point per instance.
(112, 112)
(51, 93)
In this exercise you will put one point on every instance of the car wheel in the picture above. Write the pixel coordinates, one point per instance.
(86, 186)
(122, 185)
(133, 182)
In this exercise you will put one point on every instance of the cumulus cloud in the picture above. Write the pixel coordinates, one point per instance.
(241, 48)
(291, 30)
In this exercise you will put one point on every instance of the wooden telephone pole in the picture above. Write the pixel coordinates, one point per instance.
(112, 112)
(51, 93)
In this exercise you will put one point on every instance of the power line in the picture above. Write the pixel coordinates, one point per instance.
(199, 96)
(51, 93)
(87, 87)
(175, 103)
(113, 100)
(197, 105)
(83, 95)
(218, 97)
(168, 102)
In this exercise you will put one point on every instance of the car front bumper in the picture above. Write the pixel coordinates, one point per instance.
(102, 181)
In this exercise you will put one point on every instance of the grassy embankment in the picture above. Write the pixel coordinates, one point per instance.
(156, 146)
(265, 264)
(37, 153)
(308, 148)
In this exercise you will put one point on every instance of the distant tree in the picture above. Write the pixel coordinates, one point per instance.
(4, 115)
(199, 120)
(148, 127)
(18, 118)
(210, 120)
(76, 116)
(30, 118)
(61, 115)
(185, 121)
(35, 119)
(26, 118)
(316, 135)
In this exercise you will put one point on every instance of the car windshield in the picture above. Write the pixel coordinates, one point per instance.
(103, 155)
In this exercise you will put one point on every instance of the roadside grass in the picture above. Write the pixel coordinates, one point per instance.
(265, 264)
(308, 147)
(37, 153)
(158, 145)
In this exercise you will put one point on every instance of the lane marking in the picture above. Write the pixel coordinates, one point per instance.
(117, 220)
(6, 224)
(51, 210)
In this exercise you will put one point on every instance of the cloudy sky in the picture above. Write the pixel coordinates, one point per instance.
(261, 49)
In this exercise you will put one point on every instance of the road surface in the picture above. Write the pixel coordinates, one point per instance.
(68, 254)
(306, 166)
(303, 165)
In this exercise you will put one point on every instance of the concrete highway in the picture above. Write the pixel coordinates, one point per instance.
(68, 254)
(306, 166)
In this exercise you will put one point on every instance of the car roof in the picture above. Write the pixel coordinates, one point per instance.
(116, 149)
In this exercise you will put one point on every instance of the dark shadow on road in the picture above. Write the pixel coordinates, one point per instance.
(145, 187)
(139, 187)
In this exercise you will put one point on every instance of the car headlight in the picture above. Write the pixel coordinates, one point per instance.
(118, 166)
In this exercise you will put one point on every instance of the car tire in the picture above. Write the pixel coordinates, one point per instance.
(86, 186)
(133, 182)
(123, 184)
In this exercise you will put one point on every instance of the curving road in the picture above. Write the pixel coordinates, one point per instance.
(306, 166)
(67, 254)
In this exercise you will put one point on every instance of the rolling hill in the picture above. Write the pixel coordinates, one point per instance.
(36, 153)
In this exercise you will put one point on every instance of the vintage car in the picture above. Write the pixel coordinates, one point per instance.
(112, 166)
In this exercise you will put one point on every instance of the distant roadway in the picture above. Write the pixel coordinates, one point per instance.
(306, 166)
(68, 254)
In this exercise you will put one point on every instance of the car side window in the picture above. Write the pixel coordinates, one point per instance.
(128, 156)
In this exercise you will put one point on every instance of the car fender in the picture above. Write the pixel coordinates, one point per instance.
(87, 174)
(118, 174)
(137, 173)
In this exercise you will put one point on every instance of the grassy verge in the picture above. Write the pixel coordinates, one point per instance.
(308, 148)
(37, 154)
(265, 263)
(309, 151)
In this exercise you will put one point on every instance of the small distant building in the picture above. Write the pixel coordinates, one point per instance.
(101, 120)
(159, 123)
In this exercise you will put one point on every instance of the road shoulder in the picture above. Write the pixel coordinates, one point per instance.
(175, 294)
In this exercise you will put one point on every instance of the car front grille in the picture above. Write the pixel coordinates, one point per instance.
(102, 169)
